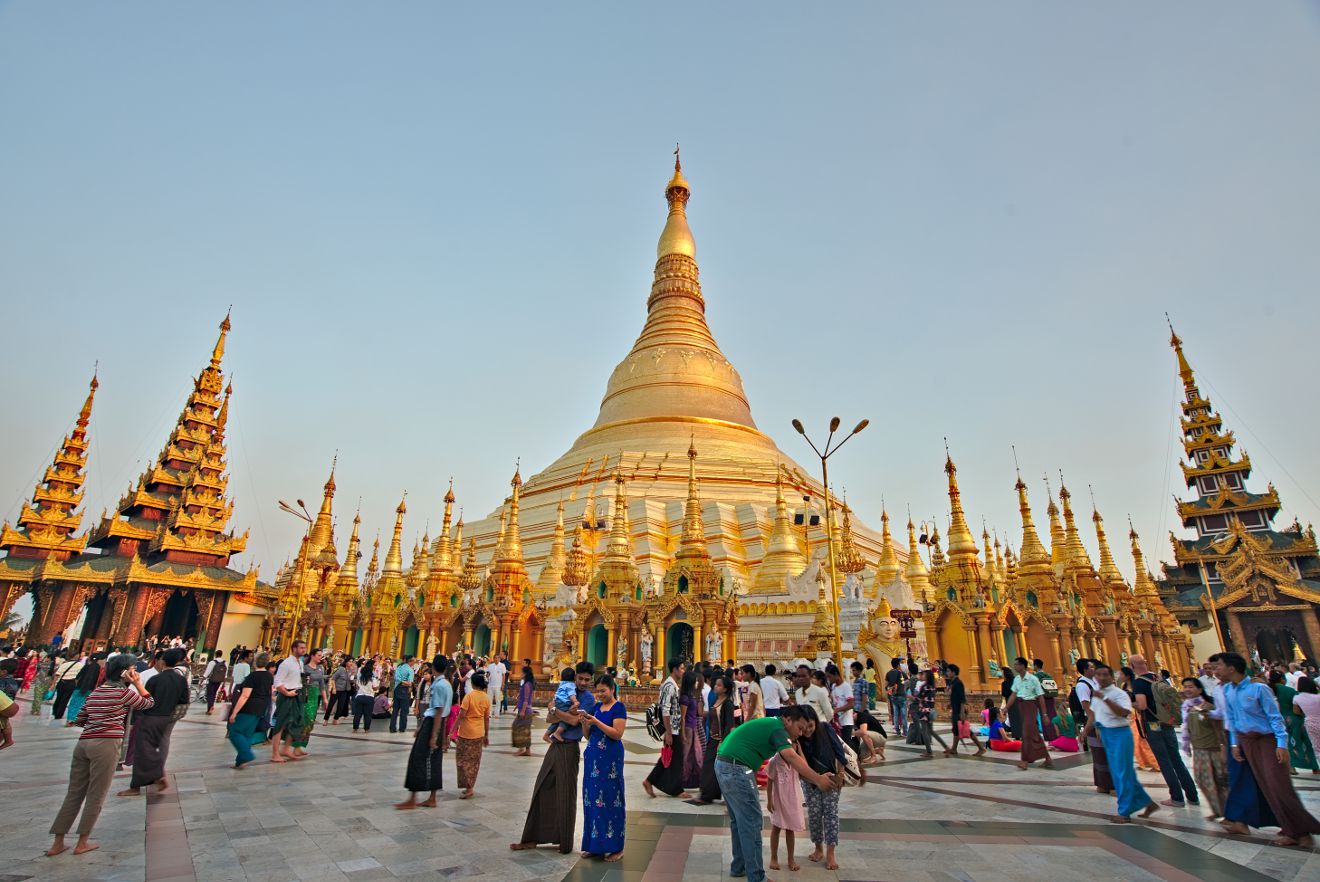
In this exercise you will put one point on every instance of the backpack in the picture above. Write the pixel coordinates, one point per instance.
(1048, 685)
(1075, 705)
(218, 672)
(1168, 703)
(655, 722)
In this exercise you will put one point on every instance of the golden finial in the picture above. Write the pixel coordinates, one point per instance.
(449, 494)
(218, 352)
(677, 237)
(85, 415)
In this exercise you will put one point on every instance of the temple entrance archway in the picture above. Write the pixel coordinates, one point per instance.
(1277, 644)
(179, 617)
(410, 640)
(481, 640)
(598, 645)
(358, 637)
(679, 642)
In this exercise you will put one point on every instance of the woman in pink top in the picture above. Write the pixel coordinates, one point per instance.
(1307, 703)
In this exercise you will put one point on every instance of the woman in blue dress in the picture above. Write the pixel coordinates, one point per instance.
(603, 812)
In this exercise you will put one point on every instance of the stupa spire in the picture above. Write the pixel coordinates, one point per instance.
(675, 370)
(783, 555)
(1143, 586)
(47, 524)
(619, 545)
(394, 557)
(442, 552)
(692, 543)
(1058, 544)
(552, 573)
(347, 583)
(322, 526)
(1035, 559)
(918, 578)
(887, 570)
(577, 568)
(510, 548)
(1076, 560)
(962, 547)
(1109, 572)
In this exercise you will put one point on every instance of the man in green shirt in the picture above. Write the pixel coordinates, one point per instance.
(742, 752)
(1027, 690)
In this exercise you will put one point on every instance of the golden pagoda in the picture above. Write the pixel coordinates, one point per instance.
(160, 564)
(673, 392)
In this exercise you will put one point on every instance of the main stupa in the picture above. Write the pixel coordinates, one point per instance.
(676, 389)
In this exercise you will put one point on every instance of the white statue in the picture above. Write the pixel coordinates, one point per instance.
(430, 646)
(646, 651)
(714, 646)
(622, 652)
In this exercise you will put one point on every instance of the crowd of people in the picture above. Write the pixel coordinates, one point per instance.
(725, 732)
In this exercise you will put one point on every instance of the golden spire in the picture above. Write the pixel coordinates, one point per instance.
(677, 237)
(619, 545)
(918, 578)
(1077, 560)
(499, 537)
(1109, 573)
(471, 577)
(1144, 586)
(47, 524)
(458, 544)
(999, 559)
(218, 353)
(1035, 559)
(1058, 544)
(347, 583)
(675, 371)
(394, 557)
(783, 555)
(1184, 369)
(962, 547)
(936, 555)
(849, 559)
(577, 569)
(887, 570)
(510, 546)
(692, 543)
(442, 552)
(321, 527)
(552, 573)
(373, 566)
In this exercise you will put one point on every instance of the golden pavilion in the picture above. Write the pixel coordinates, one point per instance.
(159, 565)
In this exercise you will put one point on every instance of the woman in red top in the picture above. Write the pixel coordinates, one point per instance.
(97, 751)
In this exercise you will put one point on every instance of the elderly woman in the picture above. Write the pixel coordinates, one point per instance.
(97, 751)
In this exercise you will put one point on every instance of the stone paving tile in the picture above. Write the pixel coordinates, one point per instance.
(328, 818)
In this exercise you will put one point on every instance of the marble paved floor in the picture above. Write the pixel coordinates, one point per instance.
(328, 818)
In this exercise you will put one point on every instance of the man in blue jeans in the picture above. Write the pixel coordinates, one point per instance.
(1160, 736)
(403, 678)
(742, 752)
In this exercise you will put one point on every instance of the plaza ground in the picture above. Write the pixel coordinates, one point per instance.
(328, 818)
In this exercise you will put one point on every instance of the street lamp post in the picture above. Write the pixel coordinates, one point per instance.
(829, 517)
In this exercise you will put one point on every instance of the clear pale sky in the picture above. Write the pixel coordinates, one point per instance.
(437, 224)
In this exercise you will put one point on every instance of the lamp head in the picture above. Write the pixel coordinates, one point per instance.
(834, 424)
(301, 504)
(797, 424)
(862, 425)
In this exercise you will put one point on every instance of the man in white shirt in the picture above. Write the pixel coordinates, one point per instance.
(808, 694)
(495, 684)
(289, 710)
(773, 692)
(842, 701)
(1110, 715)
(1086, 688)
(1294, 674)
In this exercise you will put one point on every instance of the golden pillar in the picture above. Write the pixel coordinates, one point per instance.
(660, 661)
(1110, 626)
(698, 647)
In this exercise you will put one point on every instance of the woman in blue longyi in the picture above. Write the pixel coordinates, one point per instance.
(603, 811)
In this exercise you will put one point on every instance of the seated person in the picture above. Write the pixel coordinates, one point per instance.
(380, 709)
(870, 737)
(1067, 727)
(997, 729)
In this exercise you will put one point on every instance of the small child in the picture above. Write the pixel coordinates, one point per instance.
(565, 702)
(783, 795)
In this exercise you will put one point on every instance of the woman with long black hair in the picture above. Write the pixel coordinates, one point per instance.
(720, 718)
(818, 749)
(366, 695)
(520, 733)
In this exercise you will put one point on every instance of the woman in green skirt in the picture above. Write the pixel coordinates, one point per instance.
(1300, 752)
(314, 678)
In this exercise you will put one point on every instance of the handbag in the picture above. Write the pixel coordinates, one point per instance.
(964, 729)
(666, 755)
